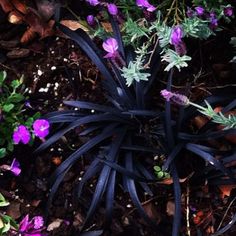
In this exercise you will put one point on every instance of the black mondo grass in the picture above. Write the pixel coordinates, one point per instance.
(117, 131)
(120, 132)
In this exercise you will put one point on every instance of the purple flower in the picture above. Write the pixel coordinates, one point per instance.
(31, 227)
(190, 12)
(200, 10)
(41, 128)
(21, 134)
(145, 4)
(228, 11)
(112, 9)
(179, 99)
(166, 94)
(15, 167)
(91, 20)
(93, 2)
(110, 46)
(213, 20)
(176, 35)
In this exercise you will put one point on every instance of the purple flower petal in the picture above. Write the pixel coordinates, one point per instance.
(110, 46)
(112, 9)
(176, 35)
(228, 11)
(41, 128)
(145, 4)
(38, 222)
(93, 2)
(15, 167)
(21, 134)
(24, 224)
(199, 10)
(91, 20)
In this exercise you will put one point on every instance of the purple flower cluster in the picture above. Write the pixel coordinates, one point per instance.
(31, 227)
(179, 99)
(201, 12)
(22, 133)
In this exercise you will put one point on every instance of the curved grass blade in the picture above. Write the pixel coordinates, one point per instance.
(205, 136)
(76, 123)
(91, 106)
(107, 132)
(209, 158)
(177, 194)
(117, 35)
(110, 197)
(105, 174)
(172, 156)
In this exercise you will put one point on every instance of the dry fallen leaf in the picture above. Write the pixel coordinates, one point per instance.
(6, 6)
(151, 211)
(15, 17)
(55, 224)
(73, 25)
(226, 189)
(13, 210)
(28, 35)
(170, 208)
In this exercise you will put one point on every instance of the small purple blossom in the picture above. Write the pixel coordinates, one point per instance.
(179, 99)
(166, 94)
(145, 4)
(228, 11)
(213, 20)
(21, 134)
(31, 227)
(176, 35)
(112, 9)
(15, 167)
(190, 12)
(93, 2)
(41, 128)
(110, 46)
(91, 20)
(199, 10)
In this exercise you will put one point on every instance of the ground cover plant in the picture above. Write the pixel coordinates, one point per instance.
(137, 111)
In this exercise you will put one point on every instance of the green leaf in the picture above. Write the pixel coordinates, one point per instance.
(15, 84)
(15, 98)
(3, 76)
(8, 107)
(3, 153)
(157, 168)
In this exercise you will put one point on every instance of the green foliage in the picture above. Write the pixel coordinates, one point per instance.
(12, 114)
(6, 222)
(228, 122)
(134, 70)
(197, 28)
(134, 31)
(175, 60)
(161, 174)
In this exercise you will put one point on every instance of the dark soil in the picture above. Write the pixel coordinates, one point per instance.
(56, 70)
